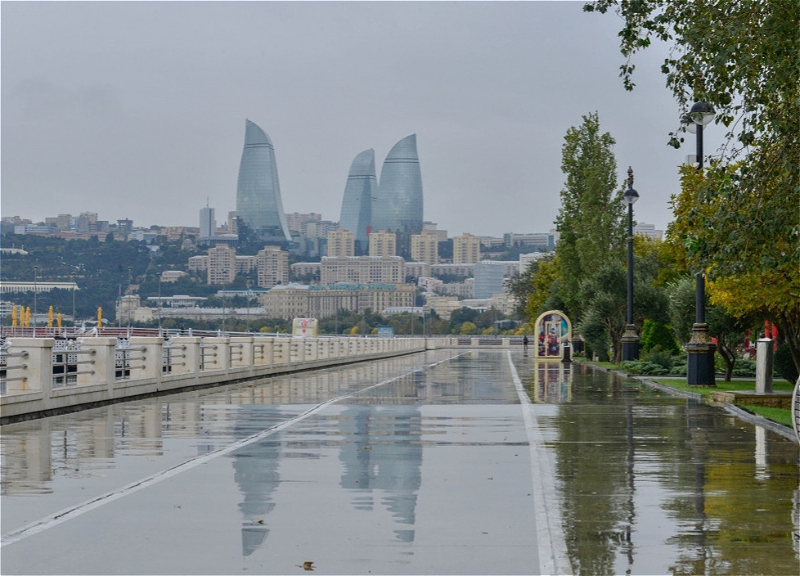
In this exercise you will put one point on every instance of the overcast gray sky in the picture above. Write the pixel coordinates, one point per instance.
(137, 109)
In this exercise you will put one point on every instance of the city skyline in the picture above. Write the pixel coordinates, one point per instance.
(149, 129)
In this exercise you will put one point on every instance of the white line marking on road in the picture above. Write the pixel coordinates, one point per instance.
(553, 558)
(52, 520)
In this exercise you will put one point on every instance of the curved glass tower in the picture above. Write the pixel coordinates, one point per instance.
(258, 193)
(361, 187)
(398, 206)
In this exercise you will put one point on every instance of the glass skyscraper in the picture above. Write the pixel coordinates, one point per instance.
(258, 193)
(361, 188)
(398, 205)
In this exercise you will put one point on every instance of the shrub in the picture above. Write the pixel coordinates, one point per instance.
(661, 357)
(658, 336)
(745, 368)
(643, 368)
(783, 363)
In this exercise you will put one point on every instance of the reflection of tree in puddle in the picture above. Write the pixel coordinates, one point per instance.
(673, 476)
(739, 518)
(385, 458)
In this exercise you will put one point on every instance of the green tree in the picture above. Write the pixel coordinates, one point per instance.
(725, 327)
(590, 218)
(744, 59)
(468, 328)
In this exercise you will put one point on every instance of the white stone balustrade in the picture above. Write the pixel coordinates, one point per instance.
(102, 352)
(192, 361)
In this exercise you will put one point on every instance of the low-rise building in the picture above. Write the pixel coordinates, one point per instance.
(363, 270)
(322, 301)
(172, 275)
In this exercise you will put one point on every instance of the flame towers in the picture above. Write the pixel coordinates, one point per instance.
(361, 188)
(398, 205)
(258, 193)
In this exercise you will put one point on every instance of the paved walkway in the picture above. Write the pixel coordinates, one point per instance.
(447, 462)
(419, 465)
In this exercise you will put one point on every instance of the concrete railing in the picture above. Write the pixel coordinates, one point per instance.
(43, 376)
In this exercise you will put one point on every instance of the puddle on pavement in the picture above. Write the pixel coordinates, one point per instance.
(650, 484)
(653, 484)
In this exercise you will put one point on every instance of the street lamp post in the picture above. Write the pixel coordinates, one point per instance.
(225, 273)
(248, 305)
(35, 294)
(700, 349)
(159, 304)
(630, 340)
(73, 299)
(130, 281)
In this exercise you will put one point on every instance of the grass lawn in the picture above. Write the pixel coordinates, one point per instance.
(734, 385)
(779, 415)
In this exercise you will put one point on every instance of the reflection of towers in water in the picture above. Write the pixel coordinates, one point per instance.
(552, 382)
(256, 473)
(386, 456)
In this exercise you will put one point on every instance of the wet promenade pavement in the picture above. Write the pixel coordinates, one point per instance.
(434, 463)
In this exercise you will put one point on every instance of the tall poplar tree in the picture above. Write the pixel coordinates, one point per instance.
(589, 221)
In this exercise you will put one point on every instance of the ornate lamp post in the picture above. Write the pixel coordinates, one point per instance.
(73, 300)
(700, 349)
(35, 294)
(159, 304)
(130, 282)
(225, 273)
(630, 340)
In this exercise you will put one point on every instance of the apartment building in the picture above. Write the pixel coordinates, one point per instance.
(382, 243)
(341, 243)
(425, 247)
(466, 249)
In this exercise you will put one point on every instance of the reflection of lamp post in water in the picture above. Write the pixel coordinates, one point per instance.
(630, 340)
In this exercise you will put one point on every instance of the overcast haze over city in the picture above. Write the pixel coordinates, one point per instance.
(137, 109)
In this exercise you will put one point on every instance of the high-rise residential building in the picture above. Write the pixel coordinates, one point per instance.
(466, 249)
(86, 222)
(341, 243)
(363, 269)
(221, 264)
(425, 247)
(208, 225)
(382, 243)
(272, 266)
(398, 203)
(258, 193)
(359, 191)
